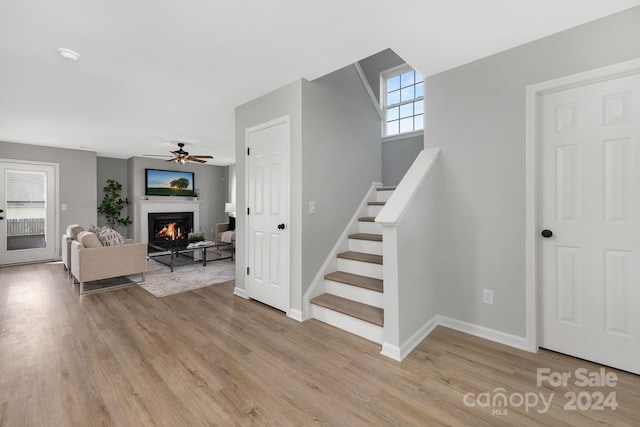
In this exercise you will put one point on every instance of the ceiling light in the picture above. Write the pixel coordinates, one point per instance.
(68, 54)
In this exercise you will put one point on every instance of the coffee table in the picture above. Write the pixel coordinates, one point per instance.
(192, 249)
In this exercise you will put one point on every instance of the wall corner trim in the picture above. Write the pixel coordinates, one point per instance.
(296, 315)
(242, 293)
(399, 353)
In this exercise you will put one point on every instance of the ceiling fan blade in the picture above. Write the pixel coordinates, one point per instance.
(201, 157)
(171, 160)
(191, 159)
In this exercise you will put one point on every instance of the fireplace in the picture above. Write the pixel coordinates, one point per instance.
(170, 229)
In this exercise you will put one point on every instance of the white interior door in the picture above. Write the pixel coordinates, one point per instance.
(27, 205)
(590, 201)
(267, 222)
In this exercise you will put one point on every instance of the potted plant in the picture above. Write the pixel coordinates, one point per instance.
(113, 204)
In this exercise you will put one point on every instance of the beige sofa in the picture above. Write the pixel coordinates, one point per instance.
(104, 262)
(70, 235)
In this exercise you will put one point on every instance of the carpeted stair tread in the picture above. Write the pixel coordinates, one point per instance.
(360, 256)
(376, 203)
(389, 188)
(365, 282)
(366, 236)
(367, 219)
(351, 308)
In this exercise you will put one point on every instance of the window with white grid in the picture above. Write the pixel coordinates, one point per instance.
(403, 100)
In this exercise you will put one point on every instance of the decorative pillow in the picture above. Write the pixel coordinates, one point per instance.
(94, 229)
(89, 239)
(232, 223)
(73, 230)
(110, 237)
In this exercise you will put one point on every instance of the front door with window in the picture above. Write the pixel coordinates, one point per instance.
(590, 208)
(27, 205)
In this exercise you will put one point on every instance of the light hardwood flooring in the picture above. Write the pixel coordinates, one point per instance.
(126, 358)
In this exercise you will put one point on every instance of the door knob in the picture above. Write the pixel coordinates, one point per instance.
(1, 218)
(547, 233)
(280, 226)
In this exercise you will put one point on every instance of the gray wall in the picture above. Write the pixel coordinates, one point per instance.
(77, 187)
(110, 168)
(376, 64)
(340, 158)
(476, 115)
(279, 103)
(398, 156)
(210, 180)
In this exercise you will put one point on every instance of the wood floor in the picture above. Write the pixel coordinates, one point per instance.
(126, 358)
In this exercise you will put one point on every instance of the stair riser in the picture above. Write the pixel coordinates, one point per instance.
(366, 246)
(354, 293)
(369, 227)
(350, 324)
(374, 210)
(383, 196)
(362, 268)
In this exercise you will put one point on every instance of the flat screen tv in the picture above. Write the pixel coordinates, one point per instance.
(168, 183)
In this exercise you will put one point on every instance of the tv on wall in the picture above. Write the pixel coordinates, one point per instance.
(168, 183)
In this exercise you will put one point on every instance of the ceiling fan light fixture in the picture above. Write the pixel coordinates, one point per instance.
(69, 54)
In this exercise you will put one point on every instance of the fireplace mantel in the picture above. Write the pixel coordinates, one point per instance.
(146, 206)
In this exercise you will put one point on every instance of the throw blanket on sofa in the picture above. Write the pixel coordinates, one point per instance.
(227, 236)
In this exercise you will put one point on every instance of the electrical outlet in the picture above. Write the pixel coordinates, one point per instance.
(487, 296)
(312, 207)
(63, 207)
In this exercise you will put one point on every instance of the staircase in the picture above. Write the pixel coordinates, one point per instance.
(353, 295)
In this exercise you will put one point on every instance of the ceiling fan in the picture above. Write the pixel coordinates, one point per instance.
(181, 157)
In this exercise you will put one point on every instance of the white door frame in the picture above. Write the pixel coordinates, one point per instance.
(532, 152)
(280, 120)
(56, 207)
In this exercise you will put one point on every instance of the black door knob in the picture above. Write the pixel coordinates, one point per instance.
(547, 233)
(1, 218)
(280, 226)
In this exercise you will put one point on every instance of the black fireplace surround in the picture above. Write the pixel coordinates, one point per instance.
(170, 229)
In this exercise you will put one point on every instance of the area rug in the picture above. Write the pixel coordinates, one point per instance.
(161, 282)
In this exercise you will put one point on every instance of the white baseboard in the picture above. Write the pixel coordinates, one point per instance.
(296, 315)
(483, 332)
(242, 293)
(399, 353)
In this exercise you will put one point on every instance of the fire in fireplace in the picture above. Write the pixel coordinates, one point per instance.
(170, 232)
(170, 229)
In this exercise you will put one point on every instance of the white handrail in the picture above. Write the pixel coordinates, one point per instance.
(397, 205)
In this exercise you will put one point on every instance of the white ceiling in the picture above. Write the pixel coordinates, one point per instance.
(153, 72)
